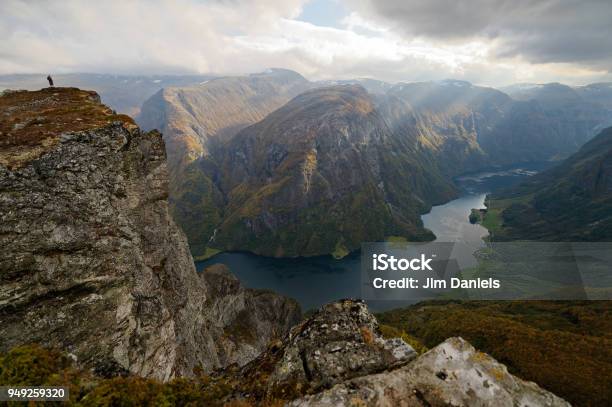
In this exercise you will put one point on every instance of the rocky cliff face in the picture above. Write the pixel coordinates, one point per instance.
(242, 322)
(92, 261)
(338, 358)
(451, 374)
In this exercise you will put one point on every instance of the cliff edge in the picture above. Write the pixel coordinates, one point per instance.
(92, 261)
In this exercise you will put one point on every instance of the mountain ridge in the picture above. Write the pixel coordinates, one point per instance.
(193, 117)
(570, 202)
(448, 128)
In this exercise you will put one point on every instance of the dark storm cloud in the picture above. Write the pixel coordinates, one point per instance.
(570, 31)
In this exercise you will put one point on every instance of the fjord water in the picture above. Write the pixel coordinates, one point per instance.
(450, 222)
(315, 281)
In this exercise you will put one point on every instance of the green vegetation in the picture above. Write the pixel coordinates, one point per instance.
(340, 251)
(196, 205)
(396, 239)
(38, 119)
(474, 216)
(277, 191)
(327, 228)
(208, 253)
(565, 347)
(35, 366)
(389, 332)
(492, 218)
(570, 202)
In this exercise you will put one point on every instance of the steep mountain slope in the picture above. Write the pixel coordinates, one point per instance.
(468, 127)
(191, 118)
(572, 201)
(321, 174)
(92, 262)
(549, 121)
(446, 120)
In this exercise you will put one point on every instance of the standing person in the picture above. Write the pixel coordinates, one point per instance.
(50, 79)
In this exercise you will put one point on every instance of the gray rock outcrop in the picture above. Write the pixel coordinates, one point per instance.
(451, 374)
(243, 321)
(338, 358)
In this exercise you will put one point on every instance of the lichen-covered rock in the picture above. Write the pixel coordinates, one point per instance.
(451, 374)
(341, 341)
(337, 358)
(91, 259)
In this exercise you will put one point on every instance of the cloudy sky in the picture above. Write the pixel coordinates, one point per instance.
(491, 42)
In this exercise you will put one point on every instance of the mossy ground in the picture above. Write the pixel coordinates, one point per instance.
(33, 365)
(340, 251)
(37, 119)
(396, 239)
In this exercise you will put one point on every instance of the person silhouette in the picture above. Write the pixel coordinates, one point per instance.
(50, 79)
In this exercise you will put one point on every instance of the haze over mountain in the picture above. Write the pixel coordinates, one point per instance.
(485, 127)
(446, 120)
(193, 117)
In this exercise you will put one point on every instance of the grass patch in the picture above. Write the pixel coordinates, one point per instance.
(208, 253)
(492, 220)
(396, 239)
(390, 332)
(33, 365)
(340, 251)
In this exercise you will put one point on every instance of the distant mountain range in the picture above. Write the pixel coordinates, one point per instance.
(278, 165)
(570, 202)
(252, 174)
